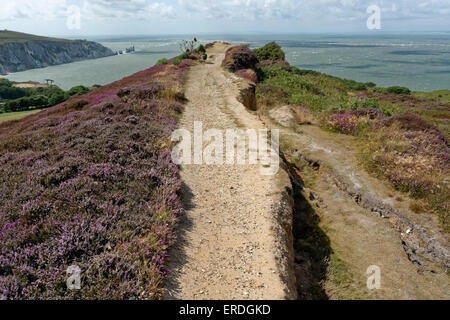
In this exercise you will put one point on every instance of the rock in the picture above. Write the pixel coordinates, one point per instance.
(283, 116)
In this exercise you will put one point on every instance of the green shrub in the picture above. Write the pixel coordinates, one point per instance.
(271, 51)
(394, 89)
(162, 61)
(78, 91)
(398, 90)
(180, 58)
(371, 103)
(57, 98)
(302, 72)
(25, 103)
(9, 92)
(201, 49)
(353, 85)
(5, 83)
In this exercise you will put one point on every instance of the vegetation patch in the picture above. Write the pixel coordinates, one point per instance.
(14, 98)
(92, 186)
(404, 135)
(414, 158)
(271, 51)
(238, 58)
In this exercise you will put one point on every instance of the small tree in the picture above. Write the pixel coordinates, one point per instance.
(188, 46)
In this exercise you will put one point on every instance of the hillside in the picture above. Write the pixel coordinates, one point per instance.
(362, 181)
(341, 218)
(20, 51)
(90, 182)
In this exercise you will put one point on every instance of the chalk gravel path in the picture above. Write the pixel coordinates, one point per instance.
(233, 240)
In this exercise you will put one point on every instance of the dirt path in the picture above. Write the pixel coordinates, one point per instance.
(365, 221)
(234, 239)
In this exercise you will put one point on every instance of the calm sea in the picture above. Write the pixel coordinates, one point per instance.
(420, 62)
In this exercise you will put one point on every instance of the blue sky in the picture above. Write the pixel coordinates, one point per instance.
(112, 17)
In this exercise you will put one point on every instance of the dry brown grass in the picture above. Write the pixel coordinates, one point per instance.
(418, 207)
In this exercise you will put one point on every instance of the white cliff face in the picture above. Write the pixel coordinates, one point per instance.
(17, 56)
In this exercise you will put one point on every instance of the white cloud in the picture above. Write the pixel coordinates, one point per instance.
(126, 9)
(42, 9)
(310, 13)
(310, 9)
(90, 9)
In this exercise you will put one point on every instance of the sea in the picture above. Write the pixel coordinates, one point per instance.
(420, 62)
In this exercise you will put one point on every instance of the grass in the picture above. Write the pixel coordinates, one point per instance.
(404, 137)
(7, 36)
(443, 96)
(341, 282)
(321, 274)
(16, 115)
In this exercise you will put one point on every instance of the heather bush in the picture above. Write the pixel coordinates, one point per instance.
(348, 123)
(248, 74)
(372, 113)
(76, 105)
(413, 161)
(414, 122)
(91, 183)
(238, 58)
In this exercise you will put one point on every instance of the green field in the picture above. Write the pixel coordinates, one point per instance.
(7, 36)
(16, 115)
(443, 96)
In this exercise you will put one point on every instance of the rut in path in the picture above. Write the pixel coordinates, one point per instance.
(234, 238)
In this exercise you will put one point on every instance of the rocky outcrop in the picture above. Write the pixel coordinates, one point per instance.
(21, 56)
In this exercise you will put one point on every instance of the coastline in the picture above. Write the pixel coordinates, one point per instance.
(419, 64)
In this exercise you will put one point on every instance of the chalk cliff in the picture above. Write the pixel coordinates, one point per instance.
(30, 54)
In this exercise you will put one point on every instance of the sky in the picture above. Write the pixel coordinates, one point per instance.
(146, 17)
